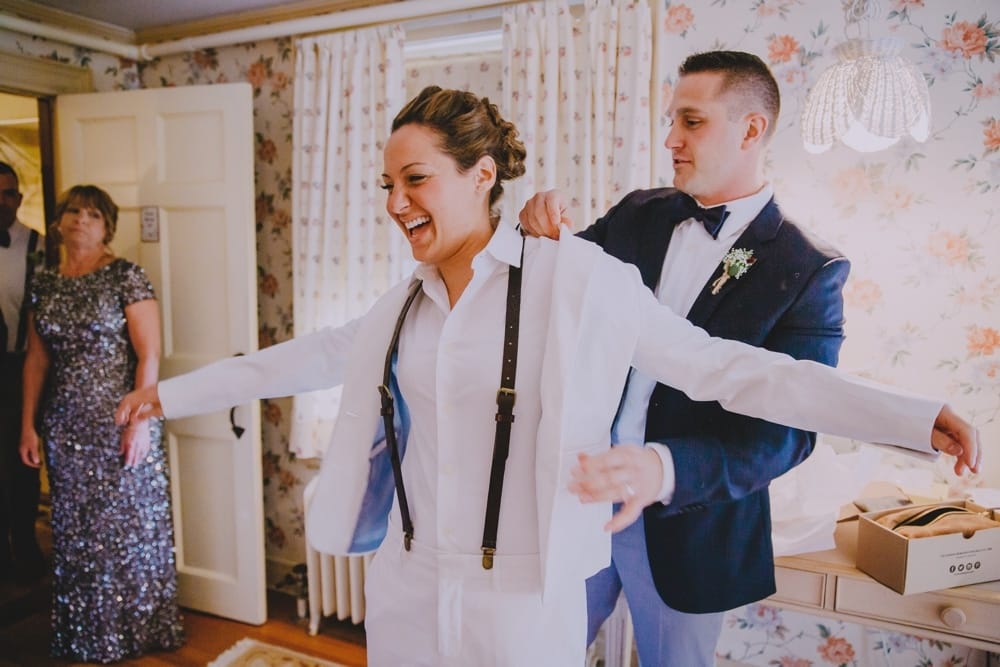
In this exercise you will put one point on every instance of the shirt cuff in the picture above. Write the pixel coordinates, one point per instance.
(669, 474)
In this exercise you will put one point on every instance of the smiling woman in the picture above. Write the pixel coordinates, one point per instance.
(444, 154)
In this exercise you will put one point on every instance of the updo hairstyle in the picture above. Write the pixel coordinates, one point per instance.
(468, 128)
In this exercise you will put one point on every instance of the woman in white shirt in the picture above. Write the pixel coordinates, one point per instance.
(439, 592)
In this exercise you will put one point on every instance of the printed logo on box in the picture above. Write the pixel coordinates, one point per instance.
(964, 567)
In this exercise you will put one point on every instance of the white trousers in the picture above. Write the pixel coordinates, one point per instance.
(433, 609)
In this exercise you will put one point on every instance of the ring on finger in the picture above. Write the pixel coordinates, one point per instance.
(629, 491)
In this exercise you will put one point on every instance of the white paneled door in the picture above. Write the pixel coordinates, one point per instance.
(179, 163)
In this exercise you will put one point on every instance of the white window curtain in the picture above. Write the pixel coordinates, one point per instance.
(669, 51)
(579, 92)
(348, 86)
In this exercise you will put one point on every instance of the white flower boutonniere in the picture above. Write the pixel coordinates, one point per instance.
(736, 262)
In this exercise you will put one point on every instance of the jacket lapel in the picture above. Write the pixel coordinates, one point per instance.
(347, 479)
(653, 239)
(757, 237)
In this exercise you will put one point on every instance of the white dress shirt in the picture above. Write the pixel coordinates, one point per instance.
(12, 271)
(692, 257)
(448, 374)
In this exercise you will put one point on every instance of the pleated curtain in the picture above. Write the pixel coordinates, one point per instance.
(346, 250)
(578, 89)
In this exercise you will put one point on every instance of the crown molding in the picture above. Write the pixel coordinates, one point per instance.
(425, 20)
(39, 77)
(251, 18)
(35, 12)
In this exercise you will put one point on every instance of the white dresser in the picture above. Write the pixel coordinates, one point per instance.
(826, 583)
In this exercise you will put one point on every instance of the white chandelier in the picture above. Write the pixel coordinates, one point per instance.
(871, 98)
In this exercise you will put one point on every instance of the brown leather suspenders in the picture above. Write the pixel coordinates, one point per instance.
(504, 417)
(388, 410)
(505, 413)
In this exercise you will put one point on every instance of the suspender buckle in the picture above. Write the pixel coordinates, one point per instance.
(505, 399)
(488, 557)
(407, 539)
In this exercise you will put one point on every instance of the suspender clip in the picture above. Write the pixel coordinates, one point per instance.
(407, 539)
(488, 558)
(387, 407)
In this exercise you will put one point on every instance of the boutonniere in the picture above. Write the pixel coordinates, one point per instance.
(736, 262)
(36, 258)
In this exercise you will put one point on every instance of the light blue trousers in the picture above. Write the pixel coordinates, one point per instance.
(665, 637)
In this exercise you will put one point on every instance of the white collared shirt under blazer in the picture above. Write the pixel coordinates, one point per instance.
(585, 319)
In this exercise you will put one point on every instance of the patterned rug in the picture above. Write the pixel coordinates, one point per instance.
(249, 652)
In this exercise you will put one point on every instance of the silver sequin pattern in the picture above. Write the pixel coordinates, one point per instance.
(114, 578)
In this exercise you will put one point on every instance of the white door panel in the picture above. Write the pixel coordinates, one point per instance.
(188, 152)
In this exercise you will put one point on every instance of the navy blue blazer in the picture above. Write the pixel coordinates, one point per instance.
(710, 547)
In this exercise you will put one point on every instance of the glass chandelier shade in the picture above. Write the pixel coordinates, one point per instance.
(869, 100)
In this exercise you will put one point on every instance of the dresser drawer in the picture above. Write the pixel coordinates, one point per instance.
(937, 611)
(798, 587)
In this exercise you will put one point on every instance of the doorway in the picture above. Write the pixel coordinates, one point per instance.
(20, 147)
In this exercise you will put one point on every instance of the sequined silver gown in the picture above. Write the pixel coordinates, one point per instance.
(114, 584)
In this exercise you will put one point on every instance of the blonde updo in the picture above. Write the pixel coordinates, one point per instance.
(468, 128)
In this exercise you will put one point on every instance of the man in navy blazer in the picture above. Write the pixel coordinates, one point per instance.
(703, 545)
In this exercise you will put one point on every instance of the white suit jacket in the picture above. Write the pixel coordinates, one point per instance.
(602, 321)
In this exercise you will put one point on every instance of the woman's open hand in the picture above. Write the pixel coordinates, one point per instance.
(626, 474)
(136, 443)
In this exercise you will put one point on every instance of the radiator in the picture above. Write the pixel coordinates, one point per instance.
(336, 584)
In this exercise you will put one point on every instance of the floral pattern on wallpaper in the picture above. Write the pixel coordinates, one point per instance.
(778, 638)
(268, 66)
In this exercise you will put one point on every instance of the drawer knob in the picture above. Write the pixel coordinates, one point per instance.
(953, 617)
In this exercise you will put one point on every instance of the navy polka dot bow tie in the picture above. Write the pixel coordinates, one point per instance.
(712, 218)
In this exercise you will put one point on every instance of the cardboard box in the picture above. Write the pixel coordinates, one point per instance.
(928, 563)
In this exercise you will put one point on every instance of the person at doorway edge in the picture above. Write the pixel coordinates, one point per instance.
(703, 543)
(20, 557)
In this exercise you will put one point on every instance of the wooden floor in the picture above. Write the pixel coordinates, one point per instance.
(24, 631)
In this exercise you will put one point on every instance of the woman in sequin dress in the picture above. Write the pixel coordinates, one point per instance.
(94, 336)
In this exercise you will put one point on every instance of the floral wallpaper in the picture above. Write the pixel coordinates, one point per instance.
(767, 636)
(919, 222)
(268, 66)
